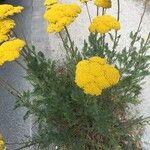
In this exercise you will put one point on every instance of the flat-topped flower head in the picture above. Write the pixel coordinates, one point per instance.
(9, 10)
(95, 74)
(104, 24)
(103, 3)
(61, 15)
(10, 50)
(6, 25)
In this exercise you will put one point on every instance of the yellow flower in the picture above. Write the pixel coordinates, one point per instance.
(95, 74)
(10, 50)
(6, 25)
(50, 2)
(3, 38)
(103, 24)
(2, 142)
(8, 10)
(84, 1)
(61, 15)
(103, 3)
(54, 27)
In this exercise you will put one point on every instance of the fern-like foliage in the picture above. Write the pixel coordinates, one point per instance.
(72, 120)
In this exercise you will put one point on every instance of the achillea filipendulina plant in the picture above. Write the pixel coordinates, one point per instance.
(83, 103)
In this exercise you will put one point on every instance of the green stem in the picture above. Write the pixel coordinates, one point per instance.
(88, 11)
(118, 13)
(15, 143)
(71, 43)
(141, 20)
(14, 33)
(103, 11)
(97, 11)
(26, 49)
(103, 40)
(148, 38)
(23, 53)
(19, 64)
(22, 34)
(116, 32)
(26, 146)
(64, 44)
(8, 87)
(103, 35)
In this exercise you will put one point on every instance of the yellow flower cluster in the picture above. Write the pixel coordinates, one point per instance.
(10, 50)
(103, 3)
(9, 10)
(9, 47)
(103, 24)
(2, 142)
(95, 74)
(6, 24)
(61, 15)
